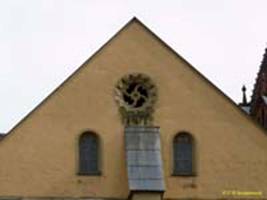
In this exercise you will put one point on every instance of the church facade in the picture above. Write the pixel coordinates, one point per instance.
(135, 121)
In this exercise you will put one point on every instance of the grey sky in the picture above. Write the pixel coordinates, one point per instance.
(43, 42)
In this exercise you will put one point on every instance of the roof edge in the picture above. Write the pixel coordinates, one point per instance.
(133, 19)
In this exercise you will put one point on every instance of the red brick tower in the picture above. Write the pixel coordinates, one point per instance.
(258, 105)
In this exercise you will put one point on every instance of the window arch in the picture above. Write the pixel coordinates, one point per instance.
(183, 145)
(89, 154)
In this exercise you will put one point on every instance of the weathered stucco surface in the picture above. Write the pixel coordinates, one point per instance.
(39, 157)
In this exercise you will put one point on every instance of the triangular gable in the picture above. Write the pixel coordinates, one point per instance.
(230, 149)
(133, 20)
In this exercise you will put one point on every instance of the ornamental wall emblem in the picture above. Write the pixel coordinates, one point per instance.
(136, 96)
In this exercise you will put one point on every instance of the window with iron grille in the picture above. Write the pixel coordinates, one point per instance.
(89, 154)
(183, 154)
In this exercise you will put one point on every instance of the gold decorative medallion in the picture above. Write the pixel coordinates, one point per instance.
(136, 96)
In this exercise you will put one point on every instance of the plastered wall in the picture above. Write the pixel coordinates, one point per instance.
(39, 156)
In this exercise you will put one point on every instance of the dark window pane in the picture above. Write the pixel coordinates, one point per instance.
(183, 154)
(88, 154)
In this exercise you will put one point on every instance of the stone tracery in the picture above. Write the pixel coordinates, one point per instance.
(136, 96)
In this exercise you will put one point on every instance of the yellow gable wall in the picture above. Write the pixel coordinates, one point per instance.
(39, 157)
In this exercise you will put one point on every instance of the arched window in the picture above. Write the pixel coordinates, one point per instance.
(89, 154)
(183, 154)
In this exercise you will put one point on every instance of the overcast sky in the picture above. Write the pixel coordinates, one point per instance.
(43, 41)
